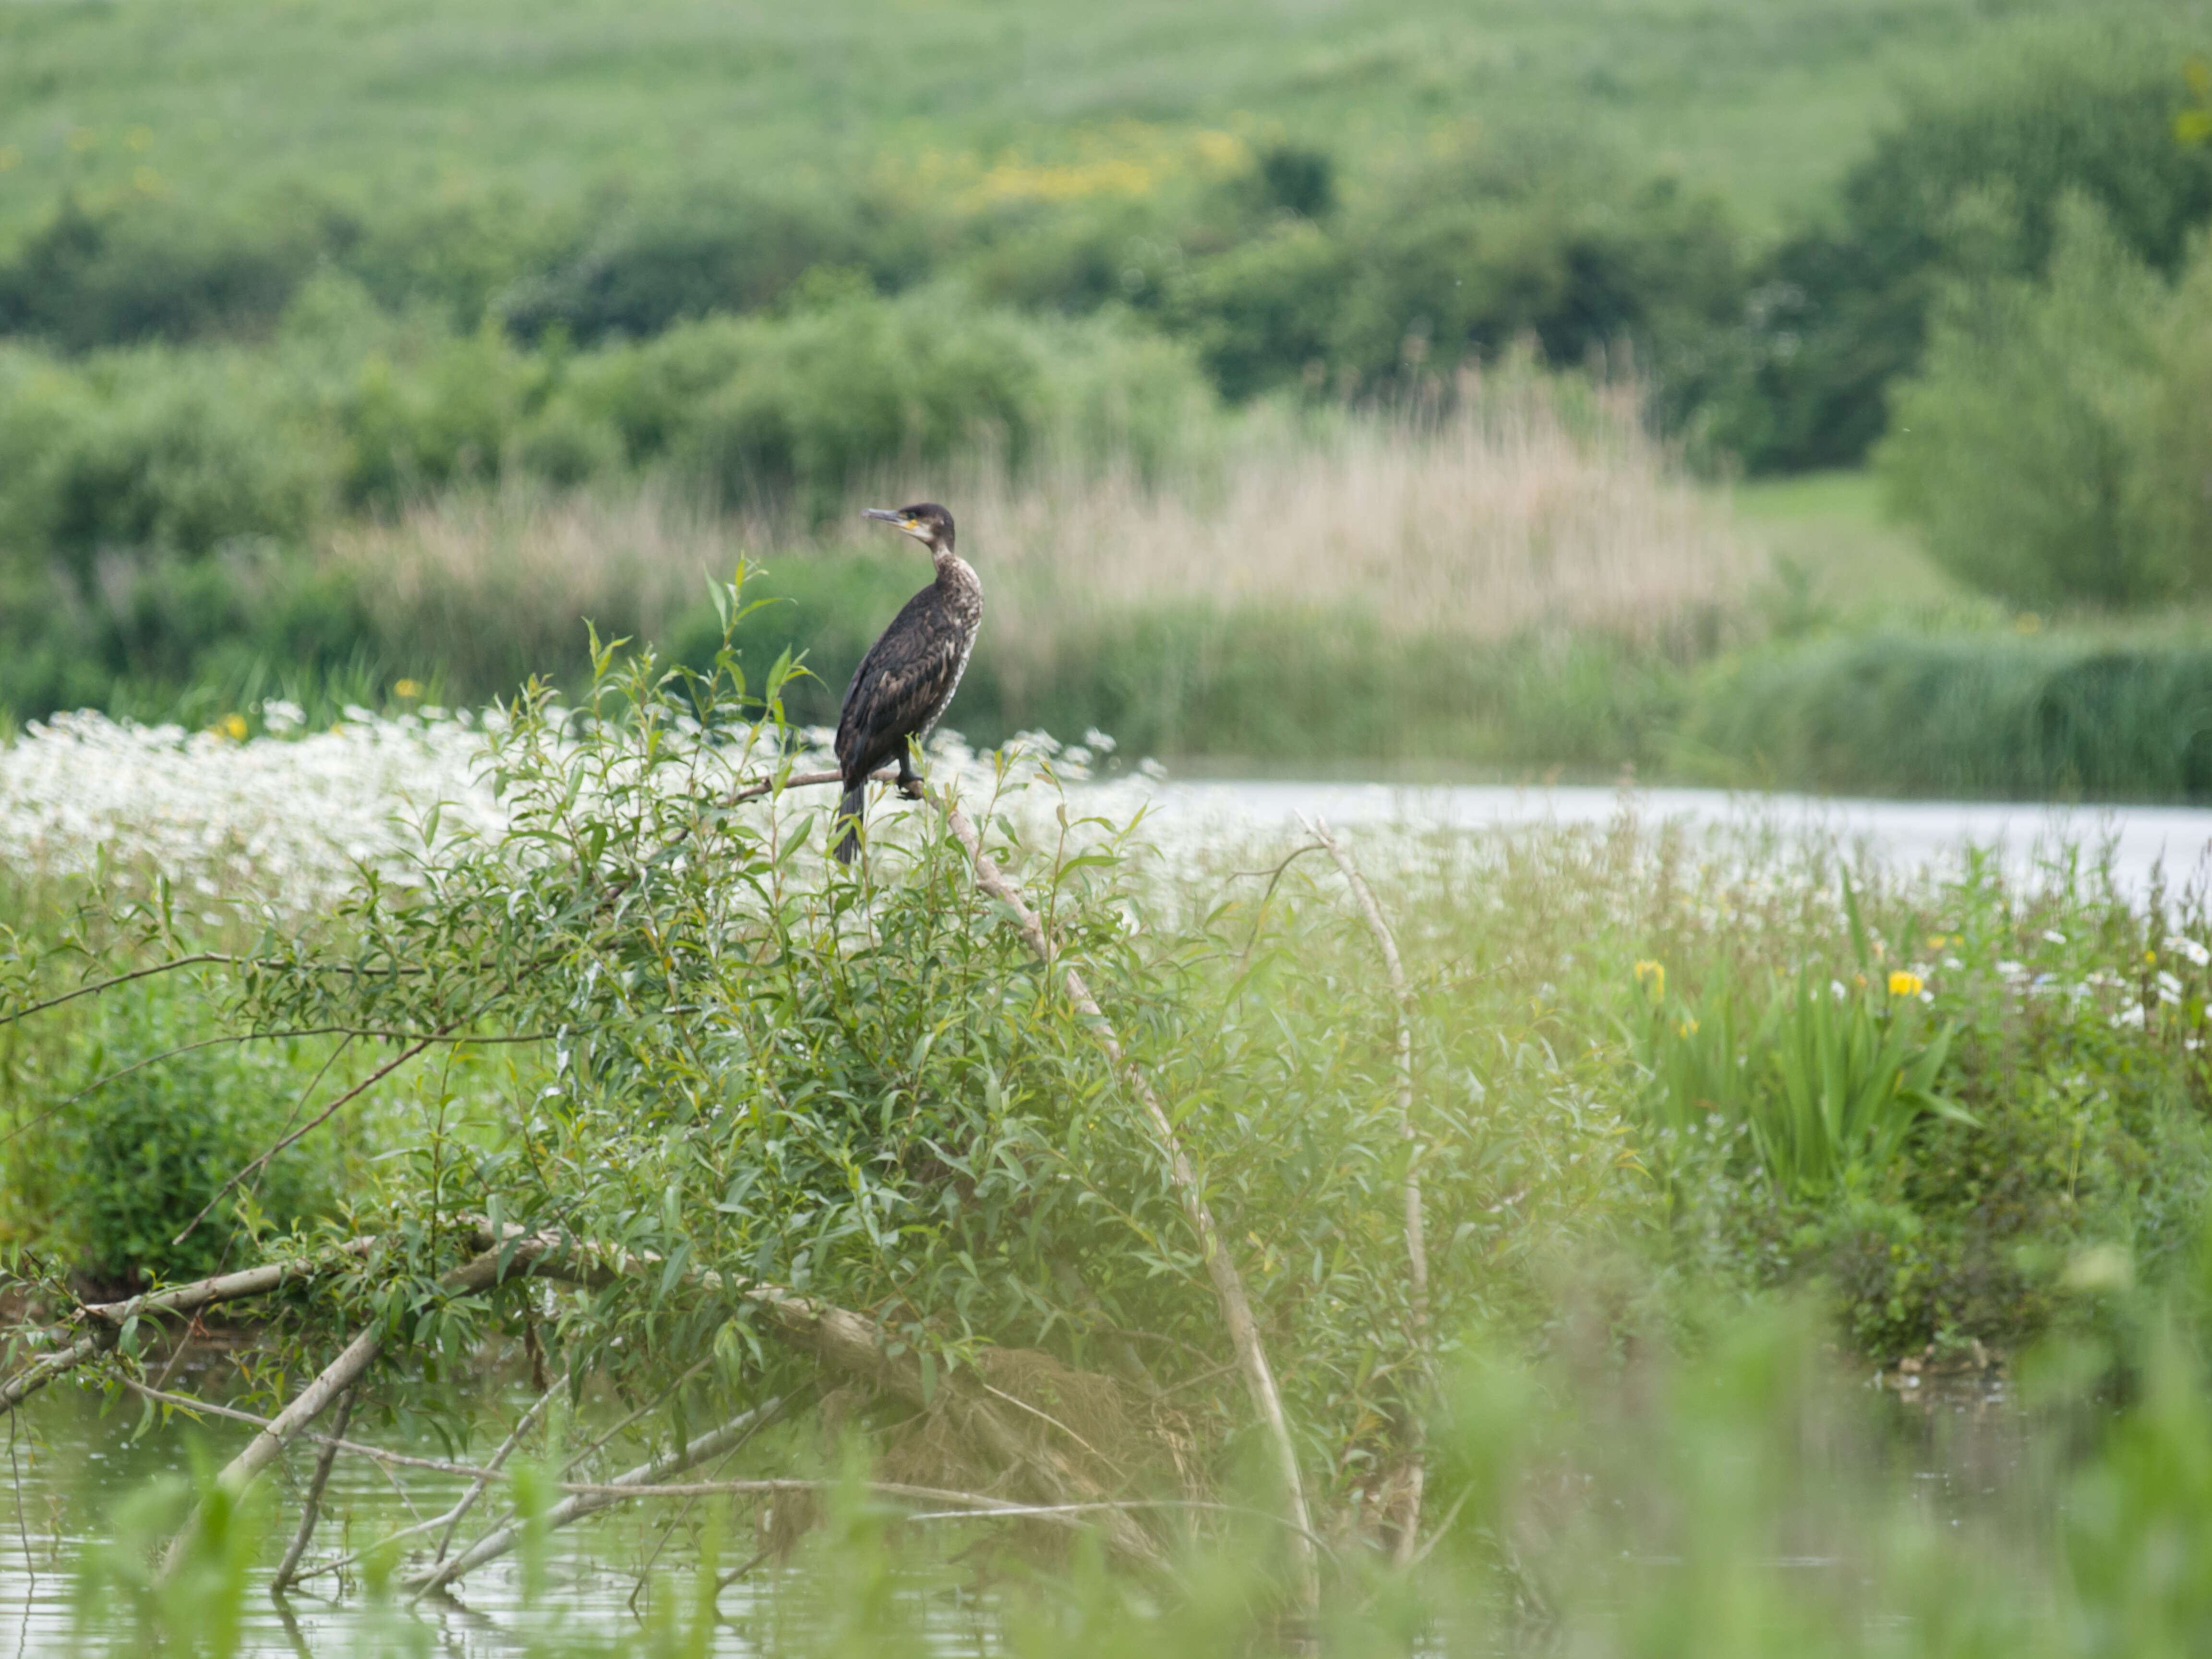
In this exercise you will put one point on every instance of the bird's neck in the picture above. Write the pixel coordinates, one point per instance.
(952, 570)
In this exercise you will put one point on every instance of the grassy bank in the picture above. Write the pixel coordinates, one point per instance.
(1688, 1117)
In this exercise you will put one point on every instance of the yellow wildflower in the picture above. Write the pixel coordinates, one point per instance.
(231, 727)
(406, 688)
(1688, 1028)
(1652, 977)
(1902, 984)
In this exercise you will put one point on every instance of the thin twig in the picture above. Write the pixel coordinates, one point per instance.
(314, 1500)
(353, 1448)
(800, 781)
(1408, 1521)
(645, 1410)
(1228, 1282)
(491, 1469)
(110, 984)
(1048, 1416)
(308, 1127)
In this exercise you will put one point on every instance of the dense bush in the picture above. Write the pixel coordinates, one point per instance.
(2035, 717)
(155, 1136)
(2021, 450)
(2052, 448)
(1965, 184)
(706, 253)
(151, 270)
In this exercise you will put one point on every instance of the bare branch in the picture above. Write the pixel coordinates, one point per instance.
(185, 1402)
(314, 1501)
(1228, 1282)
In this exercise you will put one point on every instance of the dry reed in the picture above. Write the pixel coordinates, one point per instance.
(1497, 514)
(1518, 504)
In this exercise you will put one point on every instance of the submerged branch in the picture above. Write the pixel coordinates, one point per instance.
(312, 1506)
(579, 1503)
(479, 1273)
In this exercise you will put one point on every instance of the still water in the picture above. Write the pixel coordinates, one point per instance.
(76, 1465)
(2142, 842)
(1966, 1453)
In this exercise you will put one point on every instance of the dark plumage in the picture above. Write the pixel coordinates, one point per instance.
(903, 685)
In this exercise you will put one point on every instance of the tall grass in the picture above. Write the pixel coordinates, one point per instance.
(1475, 576)
(2081, 715)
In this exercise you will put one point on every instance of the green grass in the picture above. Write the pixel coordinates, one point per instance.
(425, 105)
(1855, 559)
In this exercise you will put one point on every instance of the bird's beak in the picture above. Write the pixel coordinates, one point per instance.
(912, 526)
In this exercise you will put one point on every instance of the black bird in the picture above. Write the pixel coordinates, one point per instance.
(903, 686)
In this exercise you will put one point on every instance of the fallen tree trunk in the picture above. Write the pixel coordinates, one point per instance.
(108, 1319)
(853, 1344)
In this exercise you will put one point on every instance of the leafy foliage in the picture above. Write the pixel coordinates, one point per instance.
(152, 1138)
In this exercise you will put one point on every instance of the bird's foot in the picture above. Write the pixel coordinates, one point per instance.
(912, 788)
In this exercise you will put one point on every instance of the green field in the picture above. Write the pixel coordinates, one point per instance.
(421, 105)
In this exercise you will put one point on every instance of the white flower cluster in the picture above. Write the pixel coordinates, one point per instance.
(290, 818)
(285, 818)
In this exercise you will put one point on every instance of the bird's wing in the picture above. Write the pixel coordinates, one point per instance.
(897, 684)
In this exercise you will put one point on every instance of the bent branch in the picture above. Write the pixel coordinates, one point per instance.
(1228, 1282)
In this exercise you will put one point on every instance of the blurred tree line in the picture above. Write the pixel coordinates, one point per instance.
(1274, 275)
(2013, 267)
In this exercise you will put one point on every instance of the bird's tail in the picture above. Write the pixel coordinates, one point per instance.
(849, 814)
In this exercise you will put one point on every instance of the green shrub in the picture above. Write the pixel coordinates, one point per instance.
(156, 448)
(140, 1154)
(701, 254)
(1265, 311)
(1467, 255)
(2020, 448)
(2033, 717)
(151, 270)
(1839, 310)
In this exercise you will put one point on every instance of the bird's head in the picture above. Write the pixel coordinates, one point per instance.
(927, 522)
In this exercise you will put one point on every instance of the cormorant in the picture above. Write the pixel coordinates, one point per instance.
(903, 686)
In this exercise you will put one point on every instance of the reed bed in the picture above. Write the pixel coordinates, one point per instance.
(1518, 505)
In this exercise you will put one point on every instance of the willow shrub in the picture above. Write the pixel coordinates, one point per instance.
(728, 1055)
